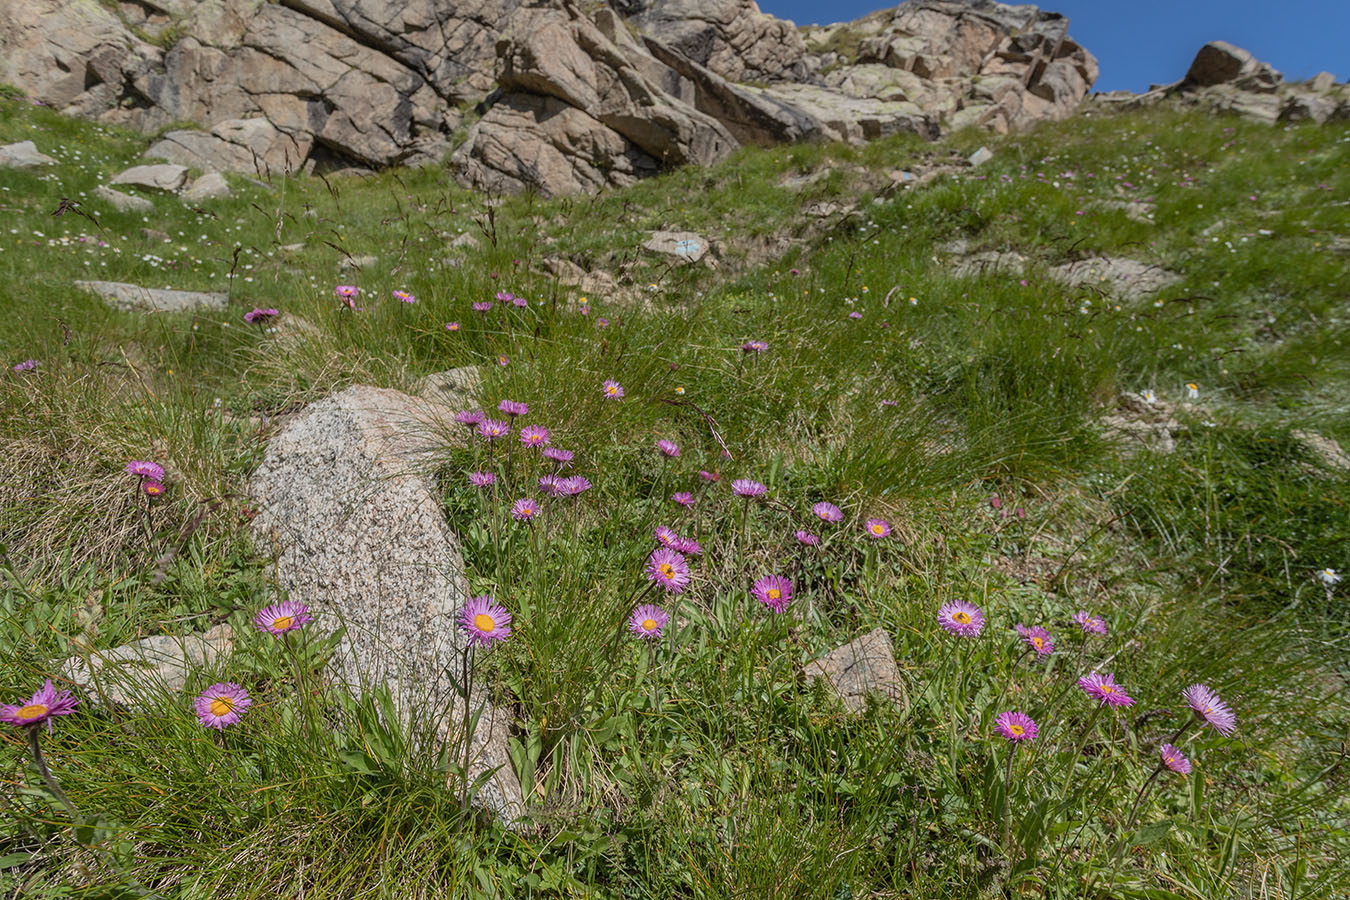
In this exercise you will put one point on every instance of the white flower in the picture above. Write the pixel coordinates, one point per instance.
(1149, 397)
(1328, 577)
(1192, 391)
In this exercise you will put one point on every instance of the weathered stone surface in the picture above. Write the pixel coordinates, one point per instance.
(1326, 450)
(123, 202)
(981, 156)
(250, 146)
(1219, 62)
(23, 155)
(685, 246)
(731, 37)
(454, 388)
(135, 297)
(863, 666)
(840, 117)
(1126, 278)
(156, 178)
(142, 673)
(348, 504)
(211, 186)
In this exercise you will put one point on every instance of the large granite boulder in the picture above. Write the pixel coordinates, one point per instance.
(731, 37)
(348, 504)
(249, 146)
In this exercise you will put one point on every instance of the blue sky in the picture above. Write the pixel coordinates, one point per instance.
(1142, 41)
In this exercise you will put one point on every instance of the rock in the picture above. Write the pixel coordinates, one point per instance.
(247, 146)
(357, 262)
(211, 186)
(730, 37)
(1219, 62)
(860, 667)
(154, 234)
(1126, 278)
(123, 202)
(349, 506)
(465, 240)
(141, 674)
(1322, 82)
(1142, 423)
(455, 388)
(1325, 450)
(839, 117)
(981, 156)
(134, 297)
(156, 178)
(23, 155)
(1308, 107)
(685, 246)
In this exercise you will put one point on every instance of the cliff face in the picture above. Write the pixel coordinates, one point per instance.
(573, 100)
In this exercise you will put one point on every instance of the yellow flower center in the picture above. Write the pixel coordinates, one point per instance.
(1017, 730)
(667, 570)
(1194, 387)
(153, 489)
(31, 711)
(1106, 689)
(281, 623)
(222, 706)
(648, 624)
(775, 593)
(1039, 642)
(877, 529)
(962, 617)
(484, 622)
(611, 390)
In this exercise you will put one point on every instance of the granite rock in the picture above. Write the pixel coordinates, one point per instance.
(134, 297)
(863, 666)
(140, 674)
(123, 202)
(165, 177)
(23, 155)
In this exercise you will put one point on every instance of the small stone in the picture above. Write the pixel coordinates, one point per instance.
(863, 665)
(981, 156)
(683, 245)
(141, 674)
(1322, 82)
(163, 177)
(123, 202)
(210, 186)
(23, 155)
(357, 262)
(1326, 450)
(135, 297)
(159, 237)
(464, 240)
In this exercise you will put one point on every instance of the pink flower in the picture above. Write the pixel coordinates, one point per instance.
(534, 436)
(524, 510)
(404, 296)
(40, 707)
(669, 448)
(612, 390)
(961, 618)
(485, 622)
(347, 293)
(745, 487)
(1175, 760)
(222, 704)
(828, 512)
(1211, 709)
(452, 326)
(280, 618)
(482, 479)
(1102, 687)
(1090, 624)
(668, 569)
(1017, 727)
(807, 538)
(877, 529)
(647, 621)
(1038, 639)
(774, 591)
(684, 498)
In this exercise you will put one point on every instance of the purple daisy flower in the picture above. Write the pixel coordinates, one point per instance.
(613, 390)
(754, 347)
(574, 485)
(404, 296)
(505, 296)
(561, 457)
(503, 360)
(669, 448)
(452, 326)
(828, 512)
(807, 538)
(710, 477)
(684, 498)
(668, 569)
(152, 489)
(688, 546)
(485, 622)
(347, 293)
(1017, 727)
(666, 537)
(482, 479)
(745, 487)
(469, 417)
(519, 301)
(513, 407)
(534, 436)
(774, 591)
(855, 315)
(280, 618)
(40, 707)
(878, 529)
(602, 322)
(524, 510)
(550, 485)
(482, 306)
(1209, 707)
(961, 619)
(1038, 639)
(1175, 760)
(1102, 686)
(1090, 624)
(27, 365)
(223, 703)
(647, 621)
(146, 469)
(257, 315)
(493, 429)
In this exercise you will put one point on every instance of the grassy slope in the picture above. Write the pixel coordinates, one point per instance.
(743, 779)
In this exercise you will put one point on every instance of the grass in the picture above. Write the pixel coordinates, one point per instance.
(711, 767)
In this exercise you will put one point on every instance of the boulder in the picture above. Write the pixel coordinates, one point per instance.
(865, 665)
(1327, 451)
(454, 388)
(139, 675)
(730, 37)
(211, 186)
(23, 155)
(123, 202)
(156, 178)
(1128, 279)
(685, 246)
(134, 297)
(348, 504)
(247, 146)
(1219, 62)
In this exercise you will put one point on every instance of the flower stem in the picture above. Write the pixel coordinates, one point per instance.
(1078, 751)
(35, 747)
(1007, 804)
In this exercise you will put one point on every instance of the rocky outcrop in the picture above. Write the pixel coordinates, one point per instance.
(1225, 78)
(571, 100)
(348, 504)
(23, 155)
(134, 297)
